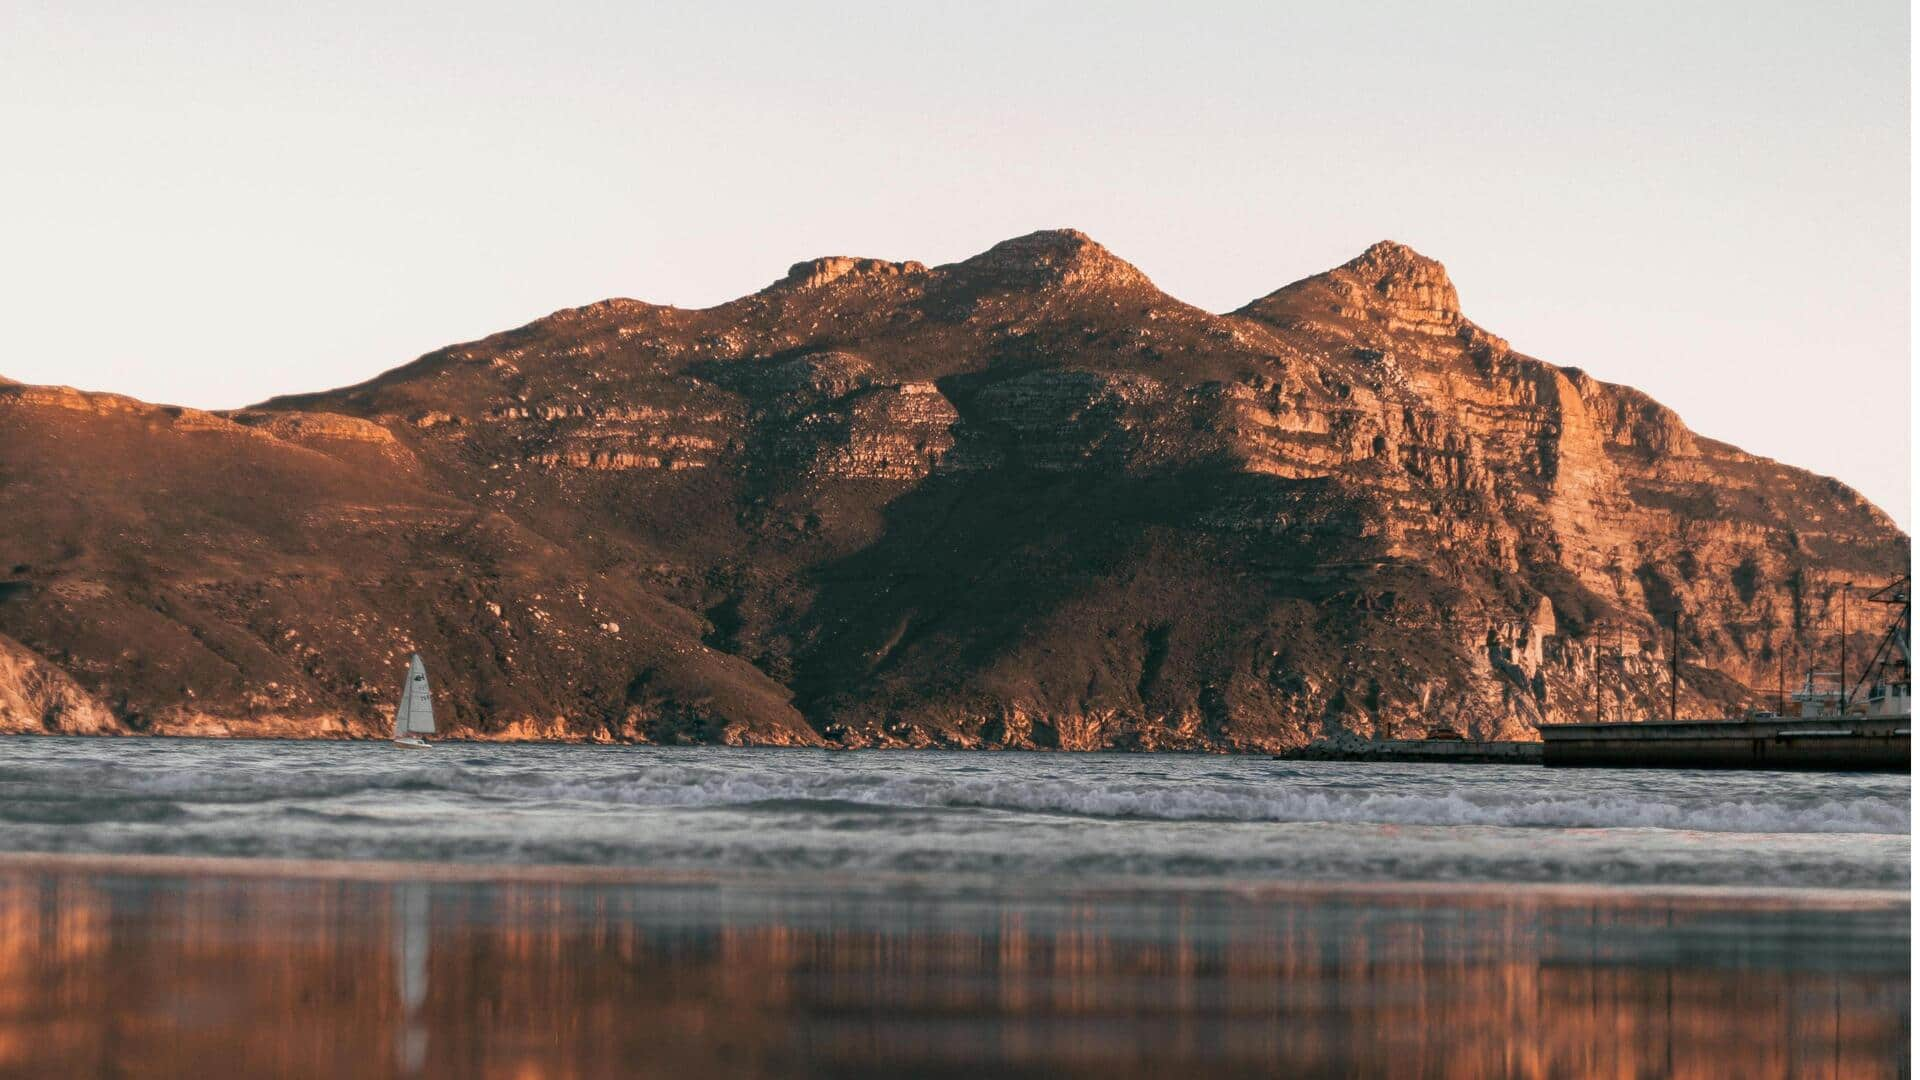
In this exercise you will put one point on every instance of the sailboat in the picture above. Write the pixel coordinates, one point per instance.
(414, 717)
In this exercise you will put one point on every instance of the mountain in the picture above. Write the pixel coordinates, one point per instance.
(1026, 499)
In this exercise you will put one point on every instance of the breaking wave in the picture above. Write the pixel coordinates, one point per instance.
(1242, 803)
(1514, 800)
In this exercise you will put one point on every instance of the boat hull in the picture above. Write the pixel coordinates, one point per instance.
(410, 743)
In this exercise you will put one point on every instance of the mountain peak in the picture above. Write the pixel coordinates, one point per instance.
(1051, 257)
(1405, 283)
(1389, 251)
(1388, 282)
(1389, 264)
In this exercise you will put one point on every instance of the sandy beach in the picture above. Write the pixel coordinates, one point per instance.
(211, 967)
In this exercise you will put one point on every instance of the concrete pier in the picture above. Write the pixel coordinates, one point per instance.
(1451, 751)
(1837, 743)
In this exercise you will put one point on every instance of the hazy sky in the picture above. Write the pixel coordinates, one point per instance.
(1705, 200)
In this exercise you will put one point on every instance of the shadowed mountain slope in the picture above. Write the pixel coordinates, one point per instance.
(1026, 499)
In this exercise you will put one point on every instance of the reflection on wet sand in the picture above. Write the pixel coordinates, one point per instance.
(105, 972)
(412, 941)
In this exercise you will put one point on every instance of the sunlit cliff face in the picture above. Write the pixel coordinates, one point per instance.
(1023, 500)
(262, 976)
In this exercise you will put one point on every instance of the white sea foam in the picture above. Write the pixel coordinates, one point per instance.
(1678, 803)
(1280, 802)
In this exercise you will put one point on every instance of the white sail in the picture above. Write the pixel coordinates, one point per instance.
(415, 714)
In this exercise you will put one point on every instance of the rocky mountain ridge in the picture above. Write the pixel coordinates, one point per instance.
(1023, 500)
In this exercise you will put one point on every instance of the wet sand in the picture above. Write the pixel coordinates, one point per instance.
(212, 968)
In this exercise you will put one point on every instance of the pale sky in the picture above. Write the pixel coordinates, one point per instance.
(1708, 201)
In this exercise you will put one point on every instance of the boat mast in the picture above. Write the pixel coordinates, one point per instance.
(1844, 590)
(1891, 660)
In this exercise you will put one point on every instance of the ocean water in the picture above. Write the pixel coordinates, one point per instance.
(559, 911)
(1117, 818)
